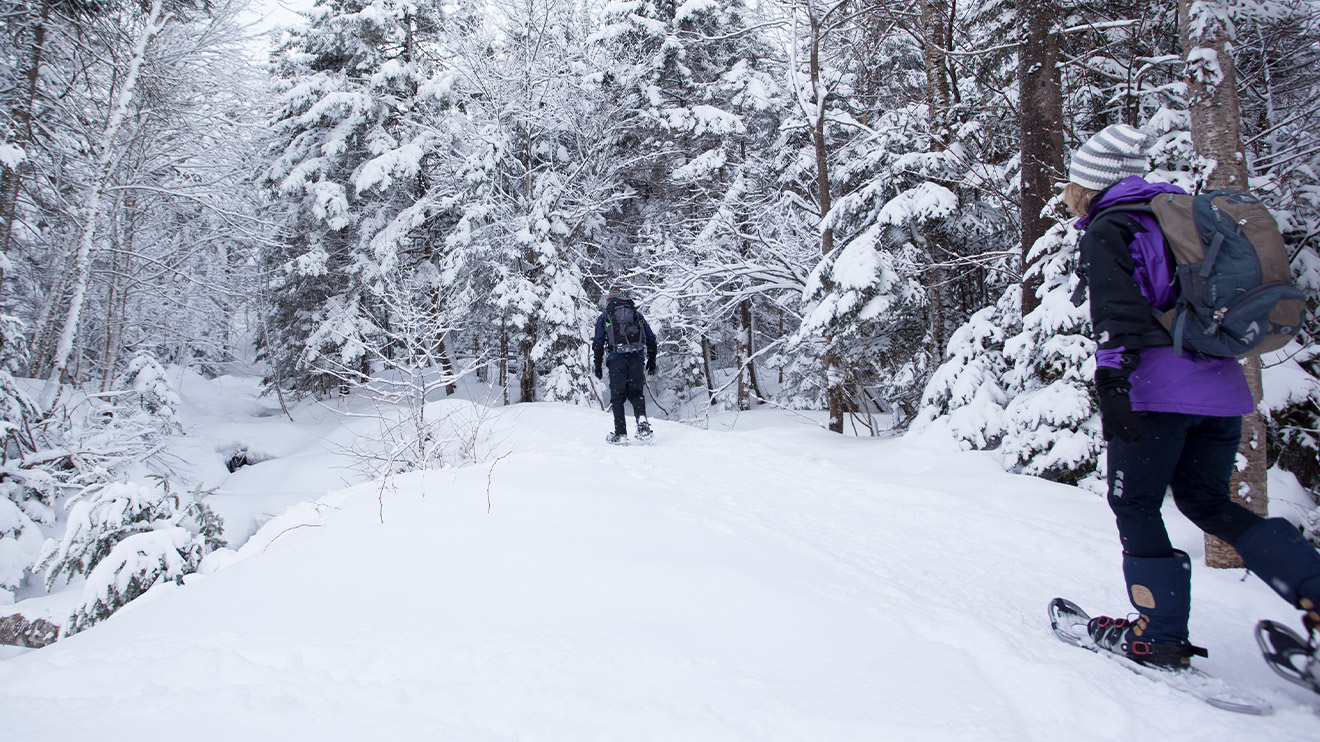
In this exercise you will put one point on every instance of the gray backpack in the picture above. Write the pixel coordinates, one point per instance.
(1235, 291)
(623, 329)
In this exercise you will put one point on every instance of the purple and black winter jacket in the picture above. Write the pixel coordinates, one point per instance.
(1129, 270)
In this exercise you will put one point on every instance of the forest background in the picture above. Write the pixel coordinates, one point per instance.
(848, 206)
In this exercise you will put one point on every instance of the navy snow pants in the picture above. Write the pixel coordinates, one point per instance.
(1193, 455)
(627, 382)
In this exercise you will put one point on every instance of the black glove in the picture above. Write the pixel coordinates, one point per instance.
(650, 366)
(1117, 418)
(599, 374)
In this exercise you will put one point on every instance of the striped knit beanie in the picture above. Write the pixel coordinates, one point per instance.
(1117, 152)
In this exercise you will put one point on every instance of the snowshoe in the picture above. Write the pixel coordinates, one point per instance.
(1292, 657)
(1072, 625)
(617, 439)
(644, 432)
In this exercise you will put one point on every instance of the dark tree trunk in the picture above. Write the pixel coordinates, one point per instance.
(1041, 117)
(22, 131)
(705, 365)
(934, 47)
(744, 360)
(1216, 119)
(834, 390)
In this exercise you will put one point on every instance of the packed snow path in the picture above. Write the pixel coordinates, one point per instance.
(770, 583)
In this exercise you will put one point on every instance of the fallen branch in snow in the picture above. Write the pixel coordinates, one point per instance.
(290, 528)
(490, 473)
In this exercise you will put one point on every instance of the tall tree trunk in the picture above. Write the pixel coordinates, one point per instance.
(758, 396)
(819, 98)
(1216, 120)
(743, 334)
(936, 41)
(447, 369)
(934, 49)
(705, 365)
(1041, 117)
(504, 362)
(46, 324)
(526, 372)
(936, 289)
(114, 299)
(22, 131)
(106, 160)
(835, 393)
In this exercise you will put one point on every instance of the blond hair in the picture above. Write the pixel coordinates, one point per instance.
(1078, 198)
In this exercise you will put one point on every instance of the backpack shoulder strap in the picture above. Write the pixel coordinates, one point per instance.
(1177, 215)
(1140, 207)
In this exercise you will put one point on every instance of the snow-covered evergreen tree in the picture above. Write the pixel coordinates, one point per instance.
(918, 156)
(1050, 430)
(125, 537)
(145, 385)
(540, 181)
(969, 389)
(25, 492)
(708, 105)
(348, 156)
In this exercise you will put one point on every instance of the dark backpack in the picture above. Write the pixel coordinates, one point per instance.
(623, 329)
(1235, 290)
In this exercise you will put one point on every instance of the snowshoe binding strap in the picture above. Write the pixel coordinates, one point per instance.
(1170, 655)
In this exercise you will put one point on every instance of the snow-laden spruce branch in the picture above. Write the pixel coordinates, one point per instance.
(1279, 158)
(1152, 65)
(1308, 114)
(735, 281)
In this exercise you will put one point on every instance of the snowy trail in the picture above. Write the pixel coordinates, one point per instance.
(777, 584)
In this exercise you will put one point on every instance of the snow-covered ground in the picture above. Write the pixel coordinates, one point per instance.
(761, 580)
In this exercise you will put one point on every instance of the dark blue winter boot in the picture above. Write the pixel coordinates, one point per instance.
(1161, 591)
(1278, 554)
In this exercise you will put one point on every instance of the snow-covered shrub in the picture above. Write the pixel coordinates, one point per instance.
(414, 372)
(100, 517)
(20, 544)
(125, 536)
(969, 388)
(25, 488)
(132, 567)
(1048, 429)
(1022, 384)
(686, 384)
(23, 479)
(803, 385)
(144, 384)
(1292, 404)
(13, 344)
(87, 447)
(17, 412)
(1292, 392)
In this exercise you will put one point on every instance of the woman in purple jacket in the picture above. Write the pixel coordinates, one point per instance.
(1172, 421)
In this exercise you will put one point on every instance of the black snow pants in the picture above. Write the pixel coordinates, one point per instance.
(627, 382)
(1194, 456)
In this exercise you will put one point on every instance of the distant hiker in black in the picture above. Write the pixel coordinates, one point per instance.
(623, 331)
